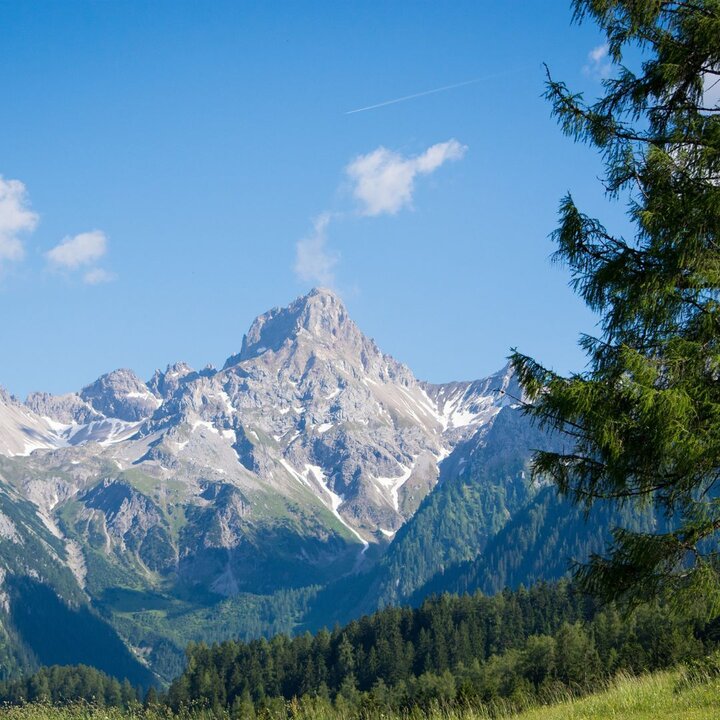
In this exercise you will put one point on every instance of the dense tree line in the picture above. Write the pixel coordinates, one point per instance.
(470, 649)
(62, 684)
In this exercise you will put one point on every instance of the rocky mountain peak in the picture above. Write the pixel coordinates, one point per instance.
(121, 394)
(322, 312)
(164, 384)
(320, 315)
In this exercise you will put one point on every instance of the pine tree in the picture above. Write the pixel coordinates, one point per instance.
(39, 688)
(642, 423)
(151, 698)
(129, 696)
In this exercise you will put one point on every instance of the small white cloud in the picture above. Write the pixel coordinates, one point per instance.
(83, 249)
(98, 276)
(384, 181)
(599, 53)
(15, 218)
(599, 65)
(313, 262)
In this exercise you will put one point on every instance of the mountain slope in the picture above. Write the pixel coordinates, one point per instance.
(484, 484)
(22, 430)
(45, 616)
(540, 542)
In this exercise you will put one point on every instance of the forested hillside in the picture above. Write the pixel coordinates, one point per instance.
(469, 649)
(543, 541)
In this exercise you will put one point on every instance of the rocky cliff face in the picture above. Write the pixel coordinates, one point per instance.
(62, 410)
(121, 394)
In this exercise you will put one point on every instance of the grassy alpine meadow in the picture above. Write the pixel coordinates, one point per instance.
(659, 696)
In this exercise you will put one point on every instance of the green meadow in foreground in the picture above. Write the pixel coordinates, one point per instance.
(660, 696)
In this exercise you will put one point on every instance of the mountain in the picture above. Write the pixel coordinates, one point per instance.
(309, 406)
(106, 411)
(231, 493)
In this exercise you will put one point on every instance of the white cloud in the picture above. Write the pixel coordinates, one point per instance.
(15, 218)
(599, 65)
(97, 276)
(384, 181)
(82, 249)
(313, 262)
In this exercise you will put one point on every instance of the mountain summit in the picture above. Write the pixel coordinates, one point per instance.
(320, 314)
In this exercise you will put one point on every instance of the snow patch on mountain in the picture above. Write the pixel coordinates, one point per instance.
(393, 484)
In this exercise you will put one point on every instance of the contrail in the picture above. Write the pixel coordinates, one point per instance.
(432, 92)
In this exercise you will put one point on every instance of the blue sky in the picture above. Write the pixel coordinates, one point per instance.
(164, 163)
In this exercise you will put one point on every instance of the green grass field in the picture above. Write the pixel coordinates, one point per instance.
(662, 696)
(653, 697)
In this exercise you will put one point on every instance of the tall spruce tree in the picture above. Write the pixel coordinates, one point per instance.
(642, 422)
